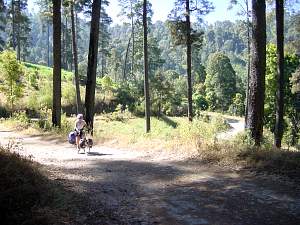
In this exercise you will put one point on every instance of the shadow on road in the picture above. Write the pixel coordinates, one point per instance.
(176, 193)
(97, 154)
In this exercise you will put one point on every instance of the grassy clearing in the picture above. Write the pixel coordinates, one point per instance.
(169, 132)
(27, 196)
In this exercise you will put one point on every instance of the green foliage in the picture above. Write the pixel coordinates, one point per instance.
(107, 85)
(125, 96)
(178, 31)
(291, 62)
(220, 82)
(21, 119)
(68, 94)
(237, 107)
(295, 81)
(32, 79)
(161, 92)
(291, 116)
(12, 75)
(199, 99)
(45, 118)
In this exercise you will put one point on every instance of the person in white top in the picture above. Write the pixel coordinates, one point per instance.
(79, 125)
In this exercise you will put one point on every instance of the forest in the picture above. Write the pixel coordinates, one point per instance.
(218, 52)
(225, 93)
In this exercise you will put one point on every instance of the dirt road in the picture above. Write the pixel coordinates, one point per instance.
(132, 187)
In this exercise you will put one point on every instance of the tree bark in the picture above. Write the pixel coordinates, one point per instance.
(56, 110)
(48, 42)
(75, 60)
(66, 42)
(258, 70)
(132, 36)
(92, 63)
(13, 24)
(280, 73)
(248, 63)
(18, 31)
(125, 60)
(146, 78)
(63, 53)
(189, 60)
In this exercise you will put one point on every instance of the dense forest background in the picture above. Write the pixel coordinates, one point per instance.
(219, 61)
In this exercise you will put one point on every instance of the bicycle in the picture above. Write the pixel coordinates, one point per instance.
(86, 141)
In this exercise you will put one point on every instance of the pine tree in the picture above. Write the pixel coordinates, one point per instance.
(92, 63)
(146, 68)
(278, 133)
(183, 34)
(56, 110)
(258, 70)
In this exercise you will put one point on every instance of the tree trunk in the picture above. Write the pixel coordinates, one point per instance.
(13, 24)
(189, 59)
(125, 60)
(146, 78)
(18, 32)
(280, 73)
(48, 42)
(75, 60)
(92, 63)
(132, 36)
(258, 70)
(248, 63)
(66, 43)
(63, 53)
(56, 110)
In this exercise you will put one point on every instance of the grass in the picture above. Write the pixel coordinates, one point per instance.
(168, 131)
(46, 72)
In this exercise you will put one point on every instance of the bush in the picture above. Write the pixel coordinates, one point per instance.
(68, 94)
(45, 118)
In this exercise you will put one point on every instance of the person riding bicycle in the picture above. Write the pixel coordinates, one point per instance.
(79, 125)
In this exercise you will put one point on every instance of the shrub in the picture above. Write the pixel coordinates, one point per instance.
(68, 94)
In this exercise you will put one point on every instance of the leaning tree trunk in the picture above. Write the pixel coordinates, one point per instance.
(146, 69)
(92, 64)
(280, 73)
(189, 59)
(56, 108)
(75, 60)
(258, 70)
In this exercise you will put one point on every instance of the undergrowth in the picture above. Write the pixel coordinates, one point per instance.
(26, 194)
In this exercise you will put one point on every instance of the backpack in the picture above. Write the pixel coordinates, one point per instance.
(72, 137)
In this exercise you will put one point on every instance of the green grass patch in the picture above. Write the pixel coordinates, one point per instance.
(46, 72)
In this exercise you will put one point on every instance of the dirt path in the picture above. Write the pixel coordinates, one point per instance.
(236, 125)
(131, 187)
